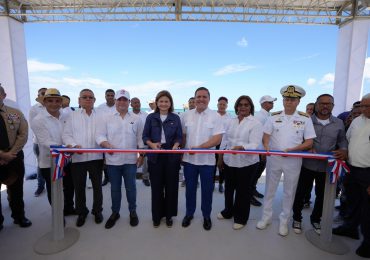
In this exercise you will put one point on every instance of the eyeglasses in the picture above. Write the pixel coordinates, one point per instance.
(87, 97)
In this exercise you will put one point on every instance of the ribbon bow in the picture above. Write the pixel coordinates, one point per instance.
(336, 169)
(60, 160)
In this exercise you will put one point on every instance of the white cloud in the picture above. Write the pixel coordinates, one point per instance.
(311, 81)
(242, 43)
(38, 66)
(327, 78)
(232, 68)
(67, 82)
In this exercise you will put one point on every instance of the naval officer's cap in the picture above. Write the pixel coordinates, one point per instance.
(292, 91)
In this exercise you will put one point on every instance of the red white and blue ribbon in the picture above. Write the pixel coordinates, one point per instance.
(61, 158)
(336, 169)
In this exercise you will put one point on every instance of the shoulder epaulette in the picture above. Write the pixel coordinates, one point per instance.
(276, 113)
(303, 114)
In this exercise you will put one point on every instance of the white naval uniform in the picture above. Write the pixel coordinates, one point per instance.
(286, 131)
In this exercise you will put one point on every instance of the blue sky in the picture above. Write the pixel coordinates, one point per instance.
(230, 59)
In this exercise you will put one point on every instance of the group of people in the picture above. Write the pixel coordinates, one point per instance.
(113, 126)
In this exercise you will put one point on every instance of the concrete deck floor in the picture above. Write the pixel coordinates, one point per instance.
(145, 242)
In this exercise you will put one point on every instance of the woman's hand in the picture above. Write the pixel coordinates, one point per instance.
(155, 146)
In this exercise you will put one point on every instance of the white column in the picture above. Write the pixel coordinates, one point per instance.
(14, 74)
(349, 70)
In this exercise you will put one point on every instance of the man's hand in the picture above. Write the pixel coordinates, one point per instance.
(107, 145)
(340, 154)
(78, 147)
(8, 156)
(237, 148)
(190, 148)
(220, 163)
(139, 161)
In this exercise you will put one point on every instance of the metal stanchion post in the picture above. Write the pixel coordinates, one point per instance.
(59, 238)
(326, 241)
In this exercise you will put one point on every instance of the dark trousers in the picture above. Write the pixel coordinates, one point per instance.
(79, 175)
(357, 198)
(237, 192)
(221, 175)
(68, 188)
(365, 228)
(14, 190)
(260, 168)
(164, 178)
(305, 181)
(40, 179)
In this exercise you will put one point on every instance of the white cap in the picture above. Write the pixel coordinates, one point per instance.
(267, 98)
(292, 91)
(151, 101)
(122, 93)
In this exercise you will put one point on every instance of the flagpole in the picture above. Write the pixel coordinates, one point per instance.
(57, 202)
(59, 238)
(326, 241)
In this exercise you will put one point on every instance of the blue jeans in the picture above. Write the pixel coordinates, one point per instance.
(191, 173)
(115, 173)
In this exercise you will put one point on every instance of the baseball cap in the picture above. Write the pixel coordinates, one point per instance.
(267, 98)
(122, 93)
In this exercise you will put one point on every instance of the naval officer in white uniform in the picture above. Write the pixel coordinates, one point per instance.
(287, 130)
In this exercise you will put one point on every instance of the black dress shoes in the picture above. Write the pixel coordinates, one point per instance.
(186, 221)
(98, 218)
(363, 250)
(69, 212)
(221, 188)
(169, 222)
(257, 194)
(345, 232)
(39, 191)
(23, 222)
(255, 202)
(134, 220)
(81, 220)
(105, 182)
(207, 224)
(156, 223)
(112, 220)
(146, 182)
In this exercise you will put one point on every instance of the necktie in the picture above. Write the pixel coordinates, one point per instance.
(4, 140)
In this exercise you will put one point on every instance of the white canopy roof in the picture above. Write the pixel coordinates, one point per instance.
(256, 11)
